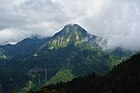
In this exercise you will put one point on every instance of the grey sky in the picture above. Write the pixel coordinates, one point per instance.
(116, 20)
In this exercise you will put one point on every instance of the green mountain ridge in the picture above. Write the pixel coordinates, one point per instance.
(72, 52)
(21, 49)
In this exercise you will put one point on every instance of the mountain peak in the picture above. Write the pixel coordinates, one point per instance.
(71, 34)
(71, 25)
(71, 29)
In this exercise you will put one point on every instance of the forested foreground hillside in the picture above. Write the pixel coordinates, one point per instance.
(124, 78)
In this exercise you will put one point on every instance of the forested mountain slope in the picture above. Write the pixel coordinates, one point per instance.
(124, 78)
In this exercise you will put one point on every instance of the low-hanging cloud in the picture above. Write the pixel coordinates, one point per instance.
(118, 21)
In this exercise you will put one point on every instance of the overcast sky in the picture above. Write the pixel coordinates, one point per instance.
(116, 20)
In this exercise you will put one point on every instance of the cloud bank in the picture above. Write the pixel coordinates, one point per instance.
(118, 21)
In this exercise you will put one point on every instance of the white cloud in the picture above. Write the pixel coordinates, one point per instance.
(12, 35)
(116, 20)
